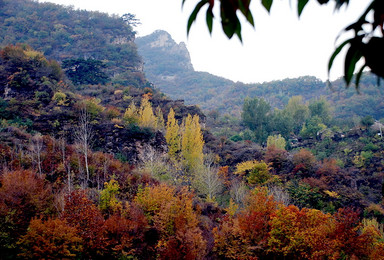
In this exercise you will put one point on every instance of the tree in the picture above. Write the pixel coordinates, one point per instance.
(108, 200)
(245, 235)
(312, 127)
(130, 19)
(367, 121)
(171, 214)
(365, 44)
(276, 140)
(50, 239)
(207, 180)
(255, 116)
(298, 112)
(82, 214)
(160, 124)
(131, 114)
(172, 135)
(192, 143)
(84, 135)
(322, 109)
(146, 116)
(23, 196)
(37, 148)
(81, 71)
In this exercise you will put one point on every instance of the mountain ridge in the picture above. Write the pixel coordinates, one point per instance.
(211, 92)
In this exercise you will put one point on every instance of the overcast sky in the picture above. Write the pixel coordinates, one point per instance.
(281, 46)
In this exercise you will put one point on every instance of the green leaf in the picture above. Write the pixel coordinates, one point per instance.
(267, 4)
(335, 53)
(238, 31)
(229, 29)
(209, 18)
(246, 11)
(358, 76)
(352, 57)
(300, 6)
(193, 15)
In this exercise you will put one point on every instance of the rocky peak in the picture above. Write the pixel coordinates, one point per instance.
(161, 43)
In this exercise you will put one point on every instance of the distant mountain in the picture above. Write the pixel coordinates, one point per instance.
(168, 66)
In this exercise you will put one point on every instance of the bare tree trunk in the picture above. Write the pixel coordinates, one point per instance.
(83, 136)
(37, 147)
(67, 166)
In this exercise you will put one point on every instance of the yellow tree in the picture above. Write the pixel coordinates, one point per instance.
(131, 114)
(159, 118)
(192, 143)
(172, 135)
(146, 116)
(276, 140)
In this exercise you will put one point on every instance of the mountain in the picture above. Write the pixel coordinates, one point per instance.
(168, 66)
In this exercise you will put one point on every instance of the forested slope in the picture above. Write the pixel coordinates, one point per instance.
(65, 33)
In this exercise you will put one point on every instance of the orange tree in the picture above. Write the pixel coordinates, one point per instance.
(51, 239)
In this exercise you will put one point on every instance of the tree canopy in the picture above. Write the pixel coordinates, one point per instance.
(364, 45)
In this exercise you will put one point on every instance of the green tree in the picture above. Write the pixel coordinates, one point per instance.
(322, 109)
(367, 121)
(255, 115)
(81, 71)
(298, 111)
(365, 44)
(108, 200)
(276, 140)
(312, 127)
(282, 122)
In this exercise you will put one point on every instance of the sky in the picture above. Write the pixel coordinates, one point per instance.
(280, 46)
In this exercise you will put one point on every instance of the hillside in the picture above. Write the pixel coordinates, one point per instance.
(168, 67)
(65, 33)
(97, 163)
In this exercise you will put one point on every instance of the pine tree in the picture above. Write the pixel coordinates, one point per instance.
(172, 135)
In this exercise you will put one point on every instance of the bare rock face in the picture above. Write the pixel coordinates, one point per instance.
(164, 41)
(130, 143)
(174, 57)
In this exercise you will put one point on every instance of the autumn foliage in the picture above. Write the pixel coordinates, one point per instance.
(267, 229)
(51, 239)
(171, 213)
